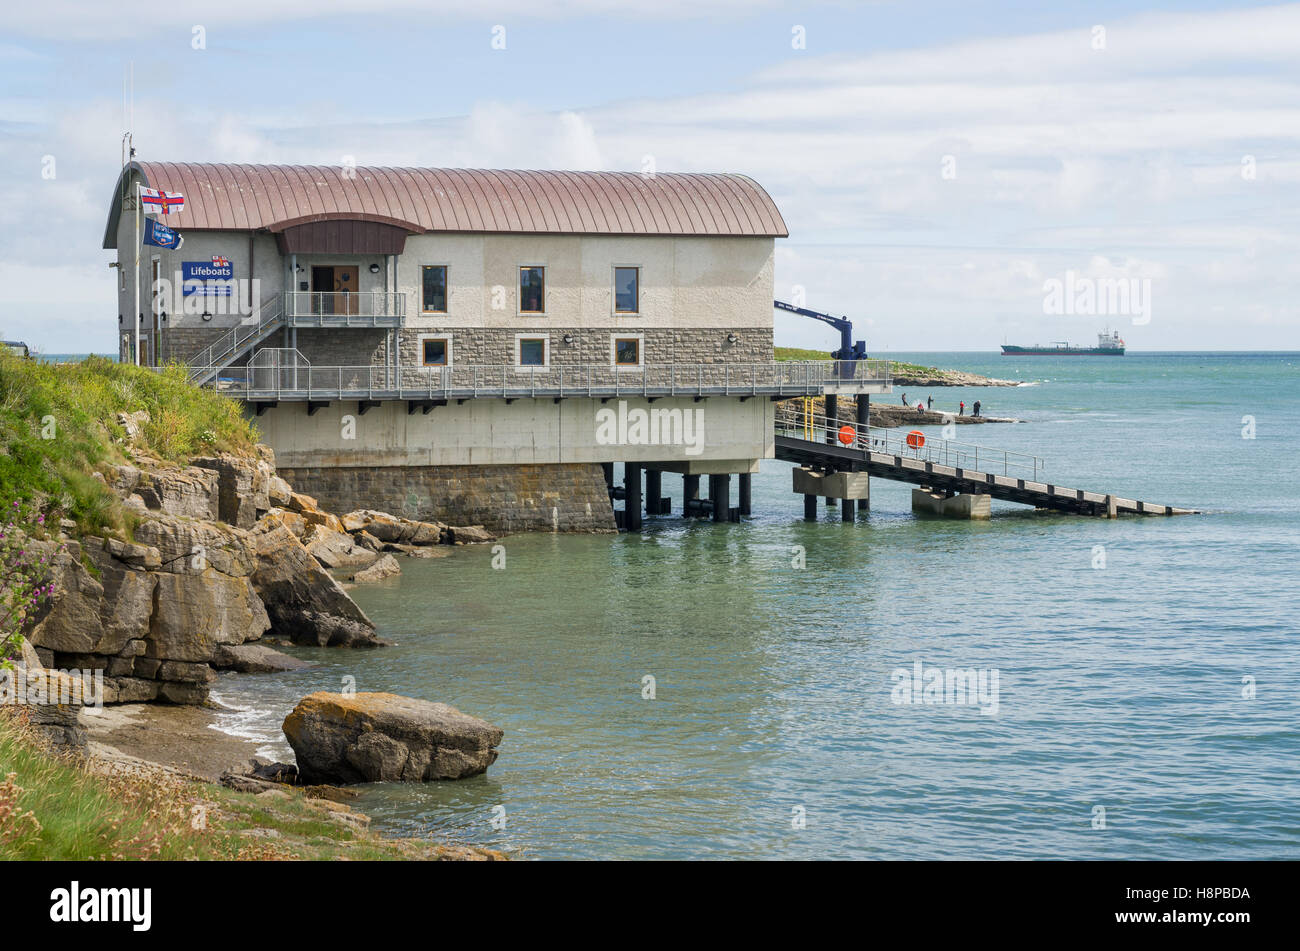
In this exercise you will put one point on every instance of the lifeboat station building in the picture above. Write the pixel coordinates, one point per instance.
(476, 346)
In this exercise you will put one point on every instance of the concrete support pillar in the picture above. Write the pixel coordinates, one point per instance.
(927, 502)
(632, 501)
(653, 490)
(720, 496)
(846, 510)
(608, 468)
(745, 493)
(690, 488)
(810, 508)
(832, 425)
(864, 425)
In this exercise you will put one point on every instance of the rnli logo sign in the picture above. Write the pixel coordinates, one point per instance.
(214, 278)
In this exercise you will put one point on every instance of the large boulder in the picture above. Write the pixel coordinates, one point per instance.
(337, 550)
(303, 600)
(255, 659)
(469, 535)
(197, 612)
(386, 567)
(383, 737)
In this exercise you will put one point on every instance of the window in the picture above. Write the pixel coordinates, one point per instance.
(434, 279)
(532, 290)
(627, 282)
(436, 351)
(532, 351)
(627, 351)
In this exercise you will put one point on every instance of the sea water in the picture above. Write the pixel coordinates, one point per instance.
(1147, 702)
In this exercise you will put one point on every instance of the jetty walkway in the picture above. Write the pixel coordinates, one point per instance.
(950, 473)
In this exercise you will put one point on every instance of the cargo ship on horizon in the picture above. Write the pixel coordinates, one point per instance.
(1109, 344)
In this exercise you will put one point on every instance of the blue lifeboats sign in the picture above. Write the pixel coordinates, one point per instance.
(215, 278)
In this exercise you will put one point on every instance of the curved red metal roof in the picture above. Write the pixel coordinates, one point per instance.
(274, 197)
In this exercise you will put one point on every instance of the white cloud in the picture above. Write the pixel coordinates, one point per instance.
(1064, 157)
(84, 19)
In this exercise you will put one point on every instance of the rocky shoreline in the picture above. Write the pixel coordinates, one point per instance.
(222, 554)
(912, 375)
(893, 416)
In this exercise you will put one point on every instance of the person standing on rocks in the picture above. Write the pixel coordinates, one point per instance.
(929, 402)
(904, 399)
(961, 408)
(976, 408)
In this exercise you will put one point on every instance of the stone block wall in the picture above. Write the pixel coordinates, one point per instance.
(496, 347)
(566, 497)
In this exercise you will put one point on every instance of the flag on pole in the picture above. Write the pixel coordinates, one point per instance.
(162, 202)
(161, 236)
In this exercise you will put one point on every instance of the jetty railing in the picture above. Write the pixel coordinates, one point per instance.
(372, 382)
(814, 427)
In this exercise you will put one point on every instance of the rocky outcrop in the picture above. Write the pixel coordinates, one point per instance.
(304, 601)
(243, 487)
(190, 492)
(213, 567)
(383, 737)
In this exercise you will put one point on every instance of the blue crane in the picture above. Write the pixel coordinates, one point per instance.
(848, 349)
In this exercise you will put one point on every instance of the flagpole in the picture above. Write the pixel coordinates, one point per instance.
(138, 361)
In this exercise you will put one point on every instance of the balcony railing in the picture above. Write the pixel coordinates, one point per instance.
(344, 308)
(301, 382)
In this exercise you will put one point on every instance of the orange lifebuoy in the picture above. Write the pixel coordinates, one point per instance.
(847, 435)
(916, 439)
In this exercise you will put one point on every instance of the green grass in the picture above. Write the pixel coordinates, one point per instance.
(54, 807)
(58, 425)
(900, 369)
(794, 353)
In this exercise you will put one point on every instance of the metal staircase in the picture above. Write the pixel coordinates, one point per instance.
(211, 360)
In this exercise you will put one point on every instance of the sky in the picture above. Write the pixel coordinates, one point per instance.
(941, 166)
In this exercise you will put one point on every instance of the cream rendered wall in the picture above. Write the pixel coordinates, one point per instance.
(721, 282)
(493, 432)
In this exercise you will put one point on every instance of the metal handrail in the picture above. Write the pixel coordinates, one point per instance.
(668, 379)
(357, 305)
(219, 353)
(817, 428)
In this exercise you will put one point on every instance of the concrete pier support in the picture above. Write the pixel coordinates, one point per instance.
(926, 502)
(864, 423)
(833, 417)
(653, 491)
(745, 490)
(720, 496)
(632, 500)
(843, 486)
(608, 468)
(810, 508)
(846, 510)
(690, 489)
